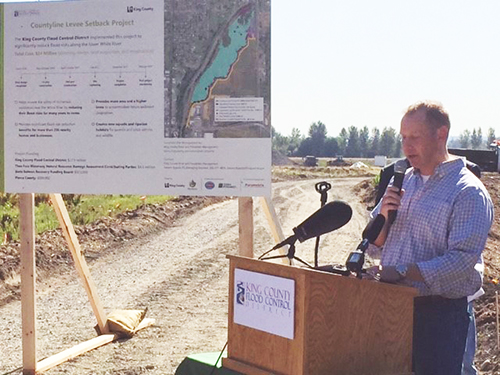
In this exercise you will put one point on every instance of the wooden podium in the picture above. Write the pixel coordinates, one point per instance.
(342, 325)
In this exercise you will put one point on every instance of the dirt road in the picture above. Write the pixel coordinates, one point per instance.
(180, 275)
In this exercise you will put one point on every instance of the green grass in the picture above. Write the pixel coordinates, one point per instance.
(298, 172)
(83, 209)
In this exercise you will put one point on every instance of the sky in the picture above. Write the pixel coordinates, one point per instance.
(363, 62)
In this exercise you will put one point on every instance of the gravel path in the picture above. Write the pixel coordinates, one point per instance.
(180, 274)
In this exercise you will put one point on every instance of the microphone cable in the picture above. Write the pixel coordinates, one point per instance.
(218, 359)
(267, 252)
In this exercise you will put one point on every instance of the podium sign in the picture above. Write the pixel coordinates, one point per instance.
(342, 325)
(264, 302)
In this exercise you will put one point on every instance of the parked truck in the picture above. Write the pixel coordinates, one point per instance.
(311, 161)
(487, 160)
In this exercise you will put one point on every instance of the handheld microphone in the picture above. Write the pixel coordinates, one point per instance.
(328, 218)
(399, 175)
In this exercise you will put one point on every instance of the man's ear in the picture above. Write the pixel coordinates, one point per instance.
(442, 133)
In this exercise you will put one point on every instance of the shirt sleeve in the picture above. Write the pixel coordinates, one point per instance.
(468, 228)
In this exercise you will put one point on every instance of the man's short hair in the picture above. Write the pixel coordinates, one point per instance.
(435, 114)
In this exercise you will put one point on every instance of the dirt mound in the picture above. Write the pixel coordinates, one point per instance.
(366, 192)
(279, 159)
(338, 163)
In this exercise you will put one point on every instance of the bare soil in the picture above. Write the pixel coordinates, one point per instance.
(488, 352)
(171, 259)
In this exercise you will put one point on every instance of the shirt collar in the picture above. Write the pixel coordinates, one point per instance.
(446, 167)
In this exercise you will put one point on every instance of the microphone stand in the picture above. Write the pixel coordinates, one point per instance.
(322, 188)
(290, 255)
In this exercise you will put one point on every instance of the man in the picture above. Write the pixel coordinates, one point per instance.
(444, 215)
(468, 367)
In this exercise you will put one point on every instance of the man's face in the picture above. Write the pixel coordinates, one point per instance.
(421, 145)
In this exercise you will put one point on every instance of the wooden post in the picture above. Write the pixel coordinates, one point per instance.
(28, 280)
(245, 213)
(80, 263)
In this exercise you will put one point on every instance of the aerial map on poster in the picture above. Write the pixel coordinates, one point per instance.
(143, 97)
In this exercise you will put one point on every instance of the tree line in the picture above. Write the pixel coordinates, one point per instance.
(363, 143)
(474, 139)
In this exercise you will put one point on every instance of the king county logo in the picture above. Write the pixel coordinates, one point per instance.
(240, 293)
(266, 297)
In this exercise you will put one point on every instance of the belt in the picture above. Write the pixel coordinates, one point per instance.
(439, 301)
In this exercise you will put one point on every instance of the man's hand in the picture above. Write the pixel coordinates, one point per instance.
(391, 201)
(384, 273)
(390, 275)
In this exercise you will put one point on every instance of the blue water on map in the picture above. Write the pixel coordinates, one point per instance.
(226, 56)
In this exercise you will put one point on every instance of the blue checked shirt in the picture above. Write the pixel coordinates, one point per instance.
(442, 226)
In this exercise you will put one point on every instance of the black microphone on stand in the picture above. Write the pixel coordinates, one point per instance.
(328, 218)
(331, 216)
(399, 175)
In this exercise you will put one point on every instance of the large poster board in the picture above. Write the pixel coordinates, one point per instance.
(143, 96)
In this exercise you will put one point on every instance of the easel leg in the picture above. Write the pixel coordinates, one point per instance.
(272, 219)
(274, 224)
(28, 281)
(80, 263)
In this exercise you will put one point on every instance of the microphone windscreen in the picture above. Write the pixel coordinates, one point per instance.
(401, 166)
(399, 173)
(330, 217)
(374, 228)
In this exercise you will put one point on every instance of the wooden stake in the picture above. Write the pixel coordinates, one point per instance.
(28, 281)
(75, 351)
(245, 213)
(84, 347)
(80, 263)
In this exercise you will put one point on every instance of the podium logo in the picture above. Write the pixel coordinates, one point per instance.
(240, 293)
